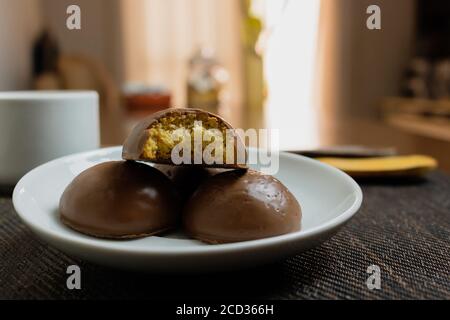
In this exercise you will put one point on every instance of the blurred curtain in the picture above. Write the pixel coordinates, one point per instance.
(16, 39)
(357, 66)
(322, 64)
(161, 35)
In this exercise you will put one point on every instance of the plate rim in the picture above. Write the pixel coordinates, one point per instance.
(111, 245)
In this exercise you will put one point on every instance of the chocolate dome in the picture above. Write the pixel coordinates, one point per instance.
(120, 199)
(241, 205)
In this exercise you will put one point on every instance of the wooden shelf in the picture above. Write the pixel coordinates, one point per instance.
(429, 127)
(428, 118)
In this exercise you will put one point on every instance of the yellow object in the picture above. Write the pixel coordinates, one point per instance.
(169, 131)
(413, 165)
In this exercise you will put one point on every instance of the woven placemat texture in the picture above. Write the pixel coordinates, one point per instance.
(404, 228)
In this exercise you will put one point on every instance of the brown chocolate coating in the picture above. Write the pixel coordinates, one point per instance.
(134, 143)
(186, 178)
(241, 205)
(120, 199)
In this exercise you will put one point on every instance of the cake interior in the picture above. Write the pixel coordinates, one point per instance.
(171, 130)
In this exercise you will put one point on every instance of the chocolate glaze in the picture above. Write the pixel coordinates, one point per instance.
(134, 143)
(120, 199)
(187, 178)
(241, 205)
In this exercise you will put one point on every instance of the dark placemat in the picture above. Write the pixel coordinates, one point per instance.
(404, 228)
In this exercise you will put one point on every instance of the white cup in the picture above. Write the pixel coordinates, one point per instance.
(37, 126)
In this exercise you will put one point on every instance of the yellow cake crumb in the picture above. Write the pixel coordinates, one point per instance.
(169, 131)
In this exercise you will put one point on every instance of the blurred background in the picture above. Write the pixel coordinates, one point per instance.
(311, 69)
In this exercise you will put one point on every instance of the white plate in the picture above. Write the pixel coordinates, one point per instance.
(328, 198)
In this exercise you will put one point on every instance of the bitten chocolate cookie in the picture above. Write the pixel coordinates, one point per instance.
(241, 205)
(155, 138)
(120, 199)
